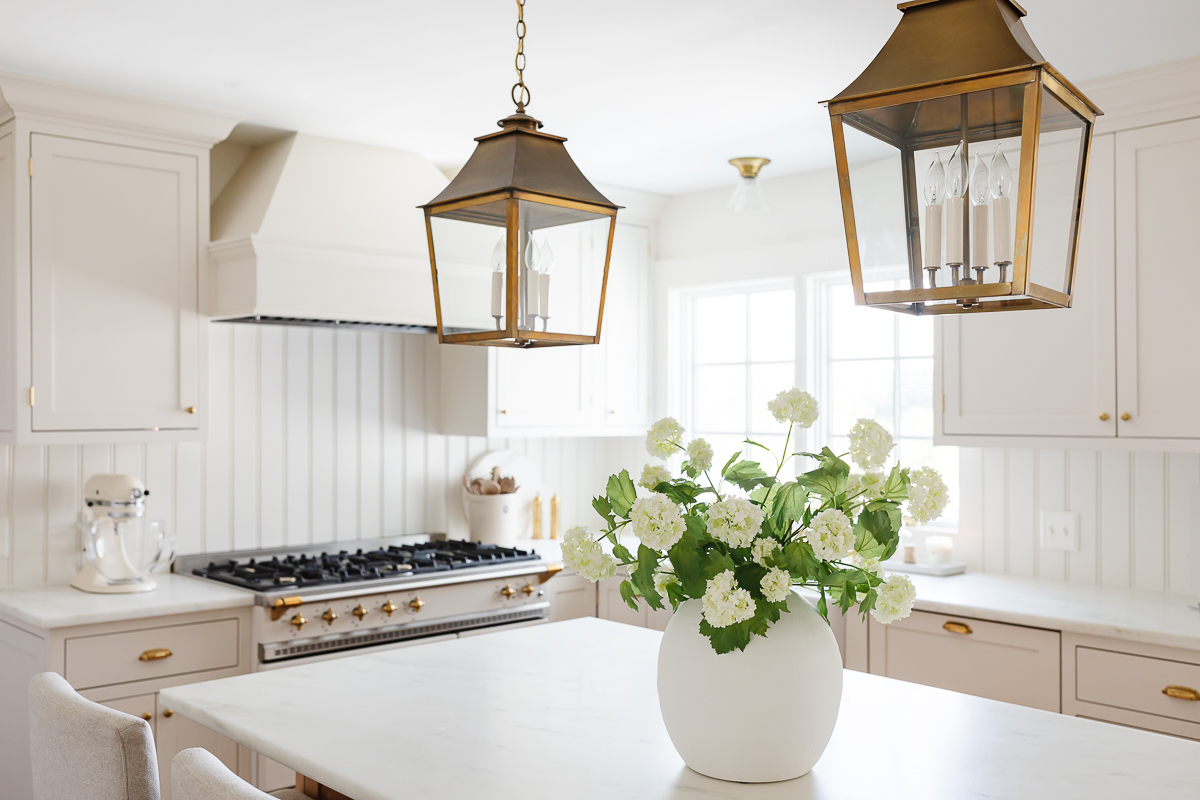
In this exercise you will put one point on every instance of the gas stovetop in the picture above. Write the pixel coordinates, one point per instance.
(379, 562)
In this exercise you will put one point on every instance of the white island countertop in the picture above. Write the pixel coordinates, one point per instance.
(570, 710)
(49, 607)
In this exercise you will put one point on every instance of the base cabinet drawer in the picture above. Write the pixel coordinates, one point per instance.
(126, 656)
(986, 659)
(1138, 683)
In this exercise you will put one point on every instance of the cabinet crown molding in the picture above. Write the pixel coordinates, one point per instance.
(41, 99)
(1148, 96)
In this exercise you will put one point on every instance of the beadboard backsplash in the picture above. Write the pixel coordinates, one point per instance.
(1139, 516)
(315, 435)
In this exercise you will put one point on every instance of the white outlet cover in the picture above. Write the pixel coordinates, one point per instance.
(1060, 531)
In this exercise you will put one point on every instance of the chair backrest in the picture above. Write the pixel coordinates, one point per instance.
(82, 749)
(197, 774)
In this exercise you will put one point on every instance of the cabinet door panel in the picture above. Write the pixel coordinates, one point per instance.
(1158, 329)
(114, 287)
(1045, 372)
(142, 705)
(626, 329)
(988, 659)
(176, 733)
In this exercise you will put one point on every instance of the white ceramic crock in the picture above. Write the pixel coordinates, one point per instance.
(754, 716)
(493, 518)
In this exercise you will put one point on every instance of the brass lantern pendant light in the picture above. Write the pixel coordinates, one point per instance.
(520, 241)
(956, 119)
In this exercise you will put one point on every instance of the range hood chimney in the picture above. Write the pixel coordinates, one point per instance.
(317, 231)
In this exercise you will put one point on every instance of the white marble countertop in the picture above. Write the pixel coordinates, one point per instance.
(49, 607)
(1150, 617)
(571, 710)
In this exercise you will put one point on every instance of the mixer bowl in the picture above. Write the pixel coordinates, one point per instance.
(126, 551)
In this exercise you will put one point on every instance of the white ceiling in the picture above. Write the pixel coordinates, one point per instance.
(652, 94)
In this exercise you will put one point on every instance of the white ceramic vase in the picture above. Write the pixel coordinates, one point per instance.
(762, 714)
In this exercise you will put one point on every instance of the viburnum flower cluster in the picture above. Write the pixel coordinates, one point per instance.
(737, 541)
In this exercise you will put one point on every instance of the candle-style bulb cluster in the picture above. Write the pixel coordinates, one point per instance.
(980, 191)
(533, 281)
(498, 264)
(1001, 184)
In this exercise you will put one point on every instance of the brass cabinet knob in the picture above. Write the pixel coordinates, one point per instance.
(359, 612)
(1104, 417)
(1125, 417)
(528, 589)
(957, 627)
(191, 409)
(416, 604)
(329, 616)
(298, 620)
(507, 591)
(155, 655)
(1182, 693)
(147, 716)
(168, 713)
(388, 607)
(504, 411)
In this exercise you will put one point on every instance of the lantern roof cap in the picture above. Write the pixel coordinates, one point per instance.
(939, 41)
(521, 157)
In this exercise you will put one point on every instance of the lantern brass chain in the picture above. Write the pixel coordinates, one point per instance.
(521, 97)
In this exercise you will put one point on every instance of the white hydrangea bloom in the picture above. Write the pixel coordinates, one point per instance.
(895, 598)
(662, 580)
(735, 521)
(700, 454)
(582, 553)
(871, 565)
(725, 604)
(776, 585)
(656, 521)
(762, 548)
(664, 437)
(653, 475)
(927, 496)
(794, 405)
(831, 535)
(870, 444)
(870, 484)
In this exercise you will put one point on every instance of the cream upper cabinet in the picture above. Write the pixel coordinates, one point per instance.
(1121, 367)
(601, 390)
(1158, 281)
(104, 223)
(114, 278)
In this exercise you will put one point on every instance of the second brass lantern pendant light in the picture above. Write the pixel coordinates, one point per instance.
(961, 157)
(520, 241)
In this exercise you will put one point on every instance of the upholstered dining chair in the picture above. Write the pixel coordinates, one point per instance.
(197, 774)
(82, 749)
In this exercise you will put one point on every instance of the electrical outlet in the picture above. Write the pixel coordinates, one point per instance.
(1060, 530)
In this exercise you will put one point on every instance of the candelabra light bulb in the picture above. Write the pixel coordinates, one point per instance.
(532, 253)
(498, 255)
(956, 174)
(1001, 180)
(546, 259)
(980, 183)
(935, 182)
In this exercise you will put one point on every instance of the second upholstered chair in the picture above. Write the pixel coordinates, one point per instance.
(197, 774)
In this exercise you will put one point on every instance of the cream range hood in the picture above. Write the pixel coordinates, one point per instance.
(318, 231)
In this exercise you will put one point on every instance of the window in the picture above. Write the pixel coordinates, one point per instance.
(737, 350)
(867, 362)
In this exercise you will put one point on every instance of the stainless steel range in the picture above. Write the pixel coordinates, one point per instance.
(320, 602)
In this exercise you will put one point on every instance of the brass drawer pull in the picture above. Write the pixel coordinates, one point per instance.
(1182, 693)
(957, 627)
(155, 654)
(147, 716)
(168, 713)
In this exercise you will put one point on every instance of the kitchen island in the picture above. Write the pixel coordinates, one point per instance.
(570, 710)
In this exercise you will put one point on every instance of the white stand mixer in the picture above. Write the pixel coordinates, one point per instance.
(122, 548)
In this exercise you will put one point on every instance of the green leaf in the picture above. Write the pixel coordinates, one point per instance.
(621, 493)
(829, 479)
(685, 556)
(896, 486)
(892, 509)
(756, 444)
(682, 492)
(675, 595)
(798, 559)
(713, 563)
(789, 502)
(622, 553)
(643, 576)
(732, 458)
(628, 595)
(765, 615)
(873, 534)
(726, 640)
(748, 475)
(749, 576)
(604, 509)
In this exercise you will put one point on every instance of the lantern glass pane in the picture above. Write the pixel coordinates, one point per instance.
(467, 253)
(877, 189)
(562, 255)
(1061, 138)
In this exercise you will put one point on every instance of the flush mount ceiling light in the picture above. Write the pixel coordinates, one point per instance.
(518, 211)
(960, 104)
(748, 194)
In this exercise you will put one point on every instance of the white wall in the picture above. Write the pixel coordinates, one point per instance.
(316, 435)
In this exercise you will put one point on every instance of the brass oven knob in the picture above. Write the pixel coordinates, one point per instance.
(416, 604)
(329, 616)
(388, 607)
(507, 591)
(528, 589)
(359, 612)
(298, 620)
